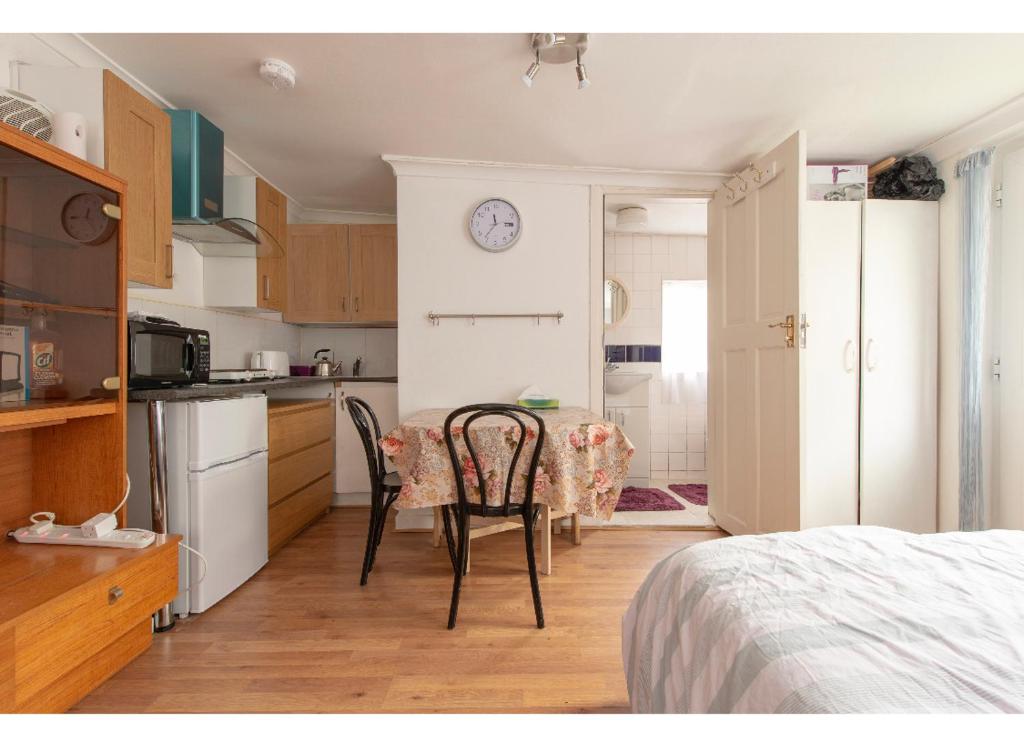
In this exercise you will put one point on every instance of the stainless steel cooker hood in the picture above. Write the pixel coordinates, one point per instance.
(234, 237)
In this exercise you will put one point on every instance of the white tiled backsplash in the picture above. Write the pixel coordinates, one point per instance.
(234, 336)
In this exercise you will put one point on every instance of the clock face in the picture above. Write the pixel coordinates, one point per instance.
(84, 220)
(495, 225)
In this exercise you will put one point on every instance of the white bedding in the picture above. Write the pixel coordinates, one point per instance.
(839, 619)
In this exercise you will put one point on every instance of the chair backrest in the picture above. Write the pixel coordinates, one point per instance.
(484, 410)
(363, 417)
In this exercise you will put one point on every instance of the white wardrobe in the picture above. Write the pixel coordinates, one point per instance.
(870, 363)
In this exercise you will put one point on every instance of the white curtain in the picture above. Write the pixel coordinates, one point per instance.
(684, 338)
(975, 174)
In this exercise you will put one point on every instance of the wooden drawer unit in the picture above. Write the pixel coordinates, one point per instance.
(301, 469)
(298, 424)
(291, 515)
(62, 642)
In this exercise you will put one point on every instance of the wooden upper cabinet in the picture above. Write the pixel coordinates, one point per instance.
(318, 274)
(374, 249)
(137, 147)
(272, 273)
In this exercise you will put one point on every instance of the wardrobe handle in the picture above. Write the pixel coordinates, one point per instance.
(848, 357)
(869, 357)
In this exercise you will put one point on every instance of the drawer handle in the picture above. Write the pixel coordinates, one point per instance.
(115, 593)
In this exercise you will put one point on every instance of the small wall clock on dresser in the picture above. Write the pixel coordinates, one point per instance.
(495, 225)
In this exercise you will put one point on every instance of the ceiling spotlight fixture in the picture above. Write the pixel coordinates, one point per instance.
(558, 49)
(581, 73)
(531, 72)
(278, 74)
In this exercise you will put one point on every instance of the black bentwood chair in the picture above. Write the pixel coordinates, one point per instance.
(465, 508)
(384, 486)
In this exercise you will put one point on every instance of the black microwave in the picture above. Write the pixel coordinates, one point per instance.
(166, 355)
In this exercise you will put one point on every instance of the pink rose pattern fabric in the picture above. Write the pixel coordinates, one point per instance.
(582, 467)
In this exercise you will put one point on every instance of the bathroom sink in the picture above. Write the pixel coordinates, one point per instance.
(616, 384)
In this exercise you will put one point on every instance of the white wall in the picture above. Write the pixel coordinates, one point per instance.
(440, 269)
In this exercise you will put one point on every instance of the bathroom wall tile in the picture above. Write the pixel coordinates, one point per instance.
(641, 244)
(623, 243)
(659, 244)
(623, 263)
(695, 424)
(642, 263)
(661, 263)
(659, 461)
(676, 442)
(697, 257)
(677, 423)
(659, 442)
(659, 474)
(642, 300)
(695, 461)
(695, 443)
(677, 461)
(646, 282)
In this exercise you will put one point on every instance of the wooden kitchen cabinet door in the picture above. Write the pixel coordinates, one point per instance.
(318, 273)
(374, 250)
(137, 148)
(272, 272)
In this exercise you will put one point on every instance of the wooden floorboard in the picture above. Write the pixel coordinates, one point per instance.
(303, 636)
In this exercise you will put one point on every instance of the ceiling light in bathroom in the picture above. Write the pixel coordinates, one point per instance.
(631, 219)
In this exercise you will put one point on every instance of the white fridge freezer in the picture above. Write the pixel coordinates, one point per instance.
(216, 491)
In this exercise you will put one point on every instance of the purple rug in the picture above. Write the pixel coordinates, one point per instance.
(647, 499)
(695, 493)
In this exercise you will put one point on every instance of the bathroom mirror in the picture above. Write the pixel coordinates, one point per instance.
(616, 301)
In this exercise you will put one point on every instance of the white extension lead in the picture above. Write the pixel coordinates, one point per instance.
(99, 531)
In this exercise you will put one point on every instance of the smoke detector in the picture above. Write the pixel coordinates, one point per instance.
(631, 219)
(277, 73)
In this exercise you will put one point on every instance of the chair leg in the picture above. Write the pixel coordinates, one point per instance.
(382, 519)
(445, 515)
(453, 611)
(371, 536)
(531, 561)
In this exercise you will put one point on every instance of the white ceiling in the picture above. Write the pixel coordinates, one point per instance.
(669, 102)
(665, 215)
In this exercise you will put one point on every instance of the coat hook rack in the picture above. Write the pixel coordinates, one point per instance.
(435, 318)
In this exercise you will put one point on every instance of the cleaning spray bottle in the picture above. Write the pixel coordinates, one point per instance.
(47, 352)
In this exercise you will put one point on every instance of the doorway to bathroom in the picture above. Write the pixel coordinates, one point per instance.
(655, 353)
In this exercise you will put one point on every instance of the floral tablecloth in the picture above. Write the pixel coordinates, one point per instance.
(583, 463)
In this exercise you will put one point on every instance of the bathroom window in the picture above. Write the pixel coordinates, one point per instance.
(684, 334)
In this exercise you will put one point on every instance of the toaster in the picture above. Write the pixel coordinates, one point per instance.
(275, 362)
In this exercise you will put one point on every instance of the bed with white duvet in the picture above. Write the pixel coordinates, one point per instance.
(837, 619)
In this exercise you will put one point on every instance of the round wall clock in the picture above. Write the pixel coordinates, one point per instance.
(495, 225)
(85, 219)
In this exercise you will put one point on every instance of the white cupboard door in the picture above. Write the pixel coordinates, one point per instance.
(636, 424)
(899, 387)
(830, 406)
(753, 387)
(351, 471)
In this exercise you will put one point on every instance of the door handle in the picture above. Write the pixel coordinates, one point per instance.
(869, 357)
(357, 304)
(169, 261)
(343, 304)
(266, 286)
(789, 326)
(848, 358)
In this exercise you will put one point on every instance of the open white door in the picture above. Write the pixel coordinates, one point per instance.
(753, 372)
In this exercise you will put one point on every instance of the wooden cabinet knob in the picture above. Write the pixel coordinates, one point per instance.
(115, 593)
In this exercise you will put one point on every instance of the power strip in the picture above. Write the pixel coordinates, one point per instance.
(123, 538)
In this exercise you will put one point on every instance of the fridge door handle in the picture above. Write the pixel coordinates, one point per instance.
(849, 360)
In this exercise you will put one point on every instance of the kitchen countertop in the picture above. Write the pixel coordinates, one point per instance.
(172, 394)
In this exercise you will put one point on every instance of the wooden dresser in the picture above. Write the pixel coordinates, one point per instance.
(71, 617)
(301, 476)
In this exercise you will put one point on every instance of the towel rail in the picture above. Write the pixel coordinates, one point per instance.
(435, 318)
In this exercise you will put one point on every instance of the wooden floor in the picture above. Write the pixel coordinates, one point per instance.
(303, 636)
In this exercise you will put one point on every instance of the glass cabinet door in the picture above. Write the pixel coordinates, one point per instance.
(58, 283)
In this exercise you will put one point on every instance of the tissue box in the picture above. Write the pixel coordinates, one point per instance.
(14, 363)
(538, 403)
(837, 182)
